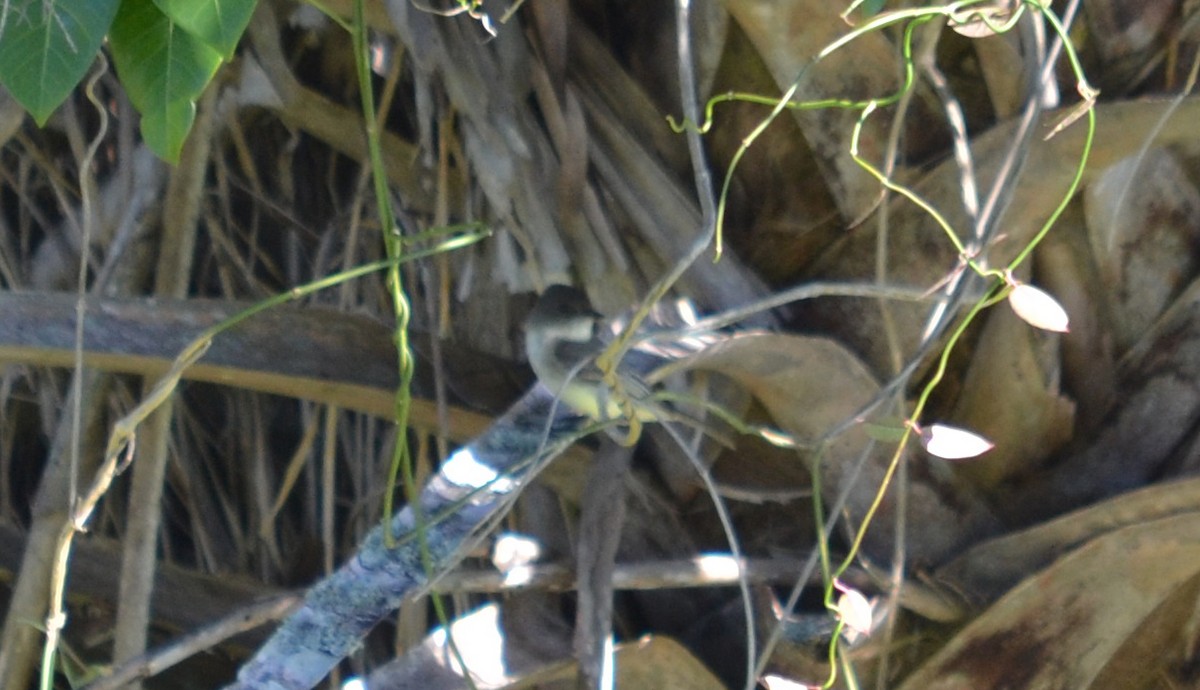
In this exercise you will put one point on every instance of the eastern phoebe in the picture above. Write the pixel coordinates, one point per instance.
(563, 336)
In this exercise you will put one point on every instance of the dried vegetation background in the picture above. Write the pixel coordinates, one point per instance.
(1067, 557)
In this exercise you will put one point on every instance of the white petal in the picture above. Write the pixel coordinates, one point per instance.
(855, 611)
(951, 443)
(512, 550)
(774, 682)
(1038, 309)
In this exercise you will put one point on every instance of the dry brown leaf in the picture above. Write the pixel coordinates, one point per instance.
(988, 569)
(787, 35)
(1064, 265)
(1128, 37)
(1011, 396)
(919, 254)
(1081, 623)
(1140, 441)
(1143, 218)
(809, 385)
(813, 387)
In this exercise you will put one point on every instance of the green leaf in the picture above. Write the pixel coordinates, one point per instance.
(156, 60)
(219, 23)
(166, 128)
(46, 47)
(163, 69)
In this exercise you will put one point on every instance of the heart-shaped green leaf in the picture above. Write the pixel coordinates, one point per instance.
(46, 47)
(219, 23)
(163, 69)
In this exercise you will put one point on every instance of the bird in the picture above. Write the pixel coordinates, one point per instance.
(563, 337)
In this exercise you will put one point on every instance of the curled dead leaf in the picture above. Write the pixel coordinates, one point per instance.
(979, 21)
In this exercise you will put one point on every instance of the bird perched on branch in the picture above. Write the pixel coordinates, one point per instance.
(564, 336)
